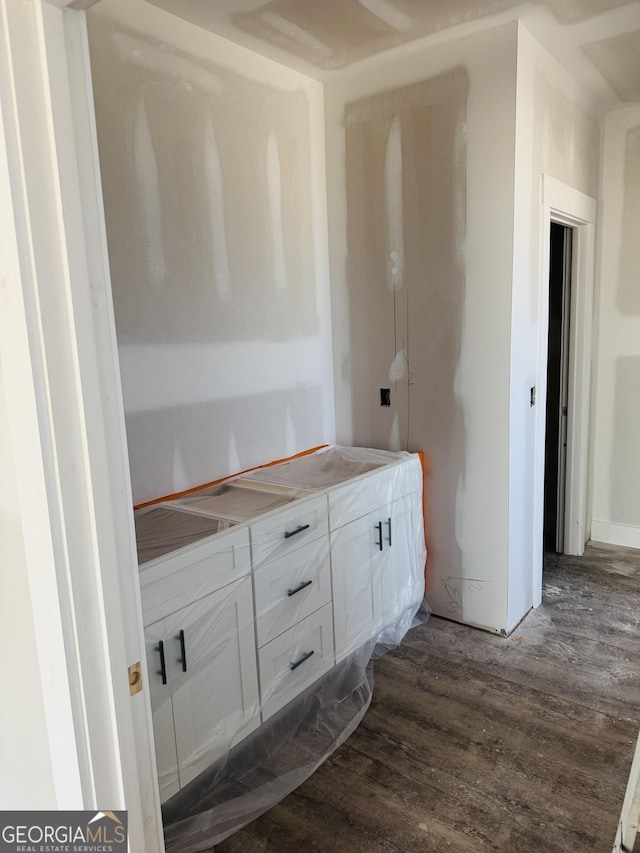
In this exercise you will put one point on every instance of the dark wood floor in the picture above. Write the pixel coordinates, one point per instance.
(478, 743)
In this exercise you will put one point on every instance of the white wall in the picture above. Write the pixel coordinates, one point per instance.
(616, 486)
(557, 134)
(26, 780)
(468, 537)
(212, 161)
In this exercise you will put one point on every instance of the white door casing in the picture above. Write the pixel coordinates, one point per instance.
(568, 206)
(60, 366)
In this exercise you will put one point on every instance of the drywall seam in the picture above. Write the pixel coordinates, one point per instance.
(215, 186)
(148, 185)
(618, 334)
(168, 29)
(481, 378)
(219, 267)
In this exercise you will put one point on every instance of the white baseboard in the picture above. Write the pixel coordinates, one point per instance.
(615, 534)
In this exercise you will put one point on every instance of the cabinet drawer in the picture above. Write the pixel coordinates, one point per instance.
(171, 582)
(295, 659)
(283, 532)
(292, 588)
(374, 490)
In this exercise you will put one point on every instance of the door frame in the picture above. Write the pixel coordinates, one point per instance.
(61, 376)
(568, 206)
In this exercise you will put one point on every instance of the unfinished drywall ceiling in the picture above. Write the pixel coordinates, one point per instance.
(336, 33)
(321, 38)
(618, 60)
(629, 278)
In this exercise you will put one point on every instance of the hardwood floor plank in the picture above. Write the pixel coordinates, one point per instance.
(475, 742)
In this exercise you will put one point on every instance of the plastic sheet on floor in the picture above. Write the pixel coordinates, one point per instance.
(299, 629)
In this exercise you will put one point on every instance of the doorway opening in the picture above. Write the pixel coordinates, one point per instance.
(557, 402)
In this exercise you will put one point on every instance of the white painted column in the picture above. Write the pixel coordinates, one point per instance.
(62, 388)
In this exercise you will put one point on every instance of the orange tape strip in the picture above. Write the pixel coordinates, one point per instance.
(187, 492)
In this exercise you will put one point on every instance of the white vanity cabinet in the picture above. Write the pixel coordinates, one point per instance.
(197, 604)
(373, 555)
(369, 558)
(253, 590)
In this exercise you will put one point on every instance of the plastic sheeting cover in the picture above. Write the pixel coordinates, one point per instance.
(265, 644)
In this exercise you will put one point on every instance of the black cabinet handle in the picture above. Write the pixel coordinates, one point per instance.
(378, 527)
(299, 662)
(389, 526)
(183, 651)
(302, 586)
(163, 668)
(289, 534)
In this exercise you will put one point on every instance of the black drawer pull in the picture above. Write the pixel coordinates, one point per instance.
(298, 663)
(163, 668)
(378, 527)
(302, 586)
(183, 651)
(289, 534)
(389, 526)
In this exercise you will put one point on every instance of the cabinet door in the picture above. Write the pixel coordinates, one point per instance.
(162, 711)
(215, 702)
(403, 569)
(356, 563)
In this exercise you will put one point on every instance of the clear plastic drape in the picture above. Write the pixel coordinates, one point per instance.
(265, 676)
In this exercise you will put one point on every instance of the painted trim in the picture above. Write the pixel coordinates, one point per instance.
(568, 200)
(568, 206)
(630, 814)
(67, 424)
(615, 534)
(98, 354)
(22, 358)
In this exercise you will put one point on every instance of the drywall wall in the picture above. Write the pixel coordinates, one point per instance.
(628, 291)
(215, 202)
(420, 157)
(616, 453)
(26, 781)
(558, 135)
(405, 162)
